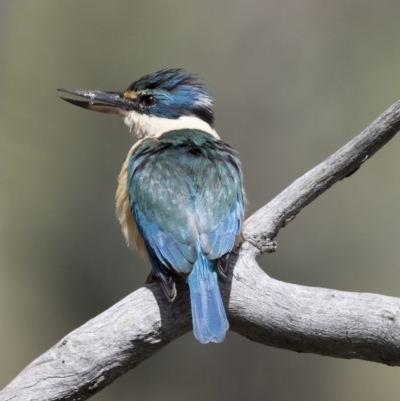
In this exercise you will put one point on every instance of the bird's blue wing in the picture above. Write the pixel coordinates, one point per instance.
(220, 203)
(186, 197)
(160, 202)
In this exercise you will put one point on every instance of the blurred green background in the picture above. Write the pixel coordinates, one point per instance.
(293, 82)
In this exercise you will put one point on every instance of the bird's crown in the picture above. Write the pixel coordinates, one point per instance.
(172, 93)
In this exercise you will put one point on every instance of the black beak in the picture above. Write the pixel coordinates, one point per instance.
(103, 102)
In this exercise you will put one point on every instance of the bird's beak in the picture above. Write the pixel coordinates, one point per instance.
(103, 102)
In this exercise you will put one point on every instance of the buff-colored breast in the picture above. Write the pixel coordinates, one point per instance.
(123, 209)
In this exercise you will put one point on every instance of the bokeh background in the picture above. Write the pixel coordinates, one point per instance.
(293, 82)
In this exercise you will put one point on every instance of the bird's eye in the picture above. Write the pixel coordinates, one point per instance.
(147, 100)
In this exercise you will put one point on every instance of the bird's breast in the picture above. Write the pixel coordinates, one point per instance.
(123, 209)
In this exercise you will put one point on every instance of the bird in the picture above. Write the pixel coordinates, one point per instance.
(180, 198)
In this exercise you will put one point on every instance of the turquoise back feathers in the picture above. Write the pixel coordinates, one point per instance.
(185, 191)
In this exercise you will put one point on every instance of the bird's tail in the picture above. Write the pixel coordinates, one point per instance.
(208, 314)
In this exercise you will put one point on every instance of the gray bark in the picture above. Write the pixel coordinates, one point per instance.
(293, 317)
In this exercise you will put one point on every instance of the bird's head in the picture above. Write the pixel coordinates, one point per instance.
(163, 101)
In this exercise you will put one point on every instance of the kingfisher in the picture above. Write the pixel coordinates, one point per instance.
(180, 197)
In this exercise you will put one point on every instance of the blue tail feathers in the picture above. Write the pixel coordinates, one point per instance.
(210, 323)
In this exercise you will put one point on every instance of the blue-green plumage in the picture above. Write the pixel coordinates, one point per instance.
(185, 191)
(180, 194)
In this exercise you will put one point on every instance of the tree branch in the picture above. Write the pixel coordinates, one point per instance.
(298, 318)
(264, 224)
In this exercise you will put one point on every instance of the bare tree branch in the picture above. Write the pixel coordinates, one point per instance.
(298, 318)
(264, 224)
(318, 320)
